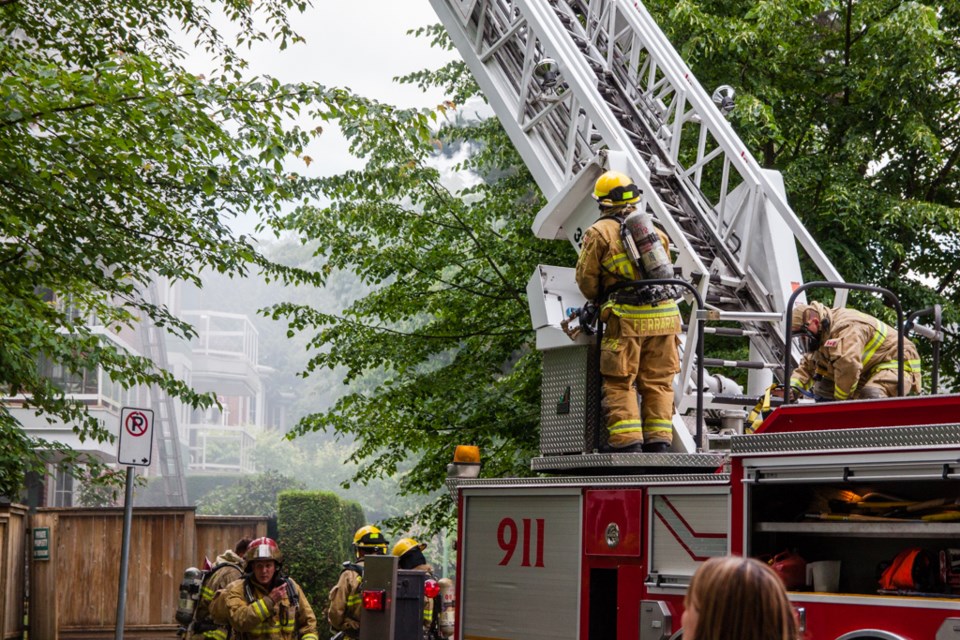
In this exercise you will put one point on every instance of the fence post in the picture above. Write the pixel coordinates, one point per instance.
(44, 612)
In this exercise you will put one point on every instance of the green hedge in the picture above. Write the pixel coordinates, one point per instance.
(315, 530)
(353, 519)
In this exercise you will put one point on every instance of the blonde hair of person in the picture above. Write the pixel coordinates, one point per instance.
(735, 598)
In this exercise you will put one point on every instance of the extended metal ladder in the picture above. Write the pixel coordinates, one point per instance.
(586, 85)
(165, 417)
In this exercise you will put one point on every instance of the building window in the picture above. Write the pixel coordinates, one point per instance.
(63, 488)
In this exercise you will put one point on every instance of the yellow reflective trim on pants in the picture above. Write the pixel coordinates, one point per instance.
(215, 634)
(657, 425)
(840, 394)
(625, 426)
(795, 382)
(310, 636)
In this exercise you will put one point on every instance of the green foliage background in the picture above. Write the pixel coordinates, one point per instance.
(313, 527)
(856, 104)
(118, 166)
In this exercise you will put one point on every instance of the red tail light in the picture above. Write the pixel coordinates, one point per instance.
(431, 589)
(374, 600)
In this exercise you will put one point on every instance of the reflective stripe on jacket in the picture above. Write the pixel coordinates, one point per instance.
(260, 618)
(603, 263)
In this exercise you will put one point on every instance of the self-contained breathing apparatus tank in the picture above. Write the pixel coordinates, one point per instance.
(644, 249)
(189, 594)
(448, 606)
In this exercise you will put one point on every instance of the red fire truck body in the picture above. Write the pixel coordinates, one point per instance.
(610, 556)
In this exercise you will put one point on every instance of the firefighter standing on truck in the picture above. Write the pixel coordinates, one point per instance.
(264, 604)
(850, 355)
(410, 554)
(345, 597)
(639, 345)
(226, 568)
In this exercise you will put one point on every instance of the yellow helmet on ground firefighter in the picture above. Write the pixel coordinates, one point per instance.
(405, 544)
(369, 539)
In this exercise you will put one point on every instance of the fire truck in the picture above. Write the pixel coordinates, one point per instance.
(600, 544)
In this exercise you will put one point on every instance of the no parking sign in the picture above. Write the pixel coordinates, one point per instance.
(136, 437)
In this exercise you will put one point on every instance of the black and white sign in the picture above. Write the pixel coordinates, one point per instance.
(136, 437)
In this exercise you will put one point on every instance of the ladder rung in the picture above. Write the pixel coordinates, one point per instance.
(739, 364)
(740, 316)
(731, 331)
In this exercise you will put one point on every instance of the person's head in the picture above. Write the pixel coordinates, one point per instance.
(241, 547)
(614, 190)
(808, 322)
(740, 598)
(263, 560)
(368, 540)
(410, 553)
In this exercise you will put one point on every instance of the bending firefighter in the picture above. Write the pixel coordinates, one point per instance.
(264, 604)
(345, 597)
(641, 324)
(850, 355)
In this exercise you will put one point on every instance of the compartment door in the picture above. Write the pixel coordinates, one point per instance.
(520, 573)
(687, 526)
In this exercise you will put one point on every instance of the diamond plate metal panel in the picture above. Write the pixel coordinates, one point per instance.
(679, 479)
(627, 460)
(848, 439)
(562, 421)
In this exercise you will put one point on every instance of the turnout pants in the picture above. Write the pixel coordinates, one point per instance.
(648, 363)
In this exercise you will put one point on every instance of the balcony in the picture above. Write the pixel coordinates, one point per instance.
(224, 353)
(217, 448)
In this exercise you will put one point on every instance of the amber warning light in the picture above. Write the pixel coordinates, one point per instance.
(374, 600)
(466, 462)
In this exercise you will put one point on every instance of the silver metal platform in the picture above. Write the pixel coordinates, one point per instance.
(592, 481)
(626, 461)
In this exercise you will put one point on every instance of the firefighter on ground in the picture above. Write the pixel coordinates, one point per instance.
(640, 335)
(850, 355)
(410, 554)
(265, 604)
(345, 597)
(226, 568)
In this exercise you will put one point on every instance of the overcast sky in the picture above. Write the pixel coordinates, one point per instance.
(358, 44)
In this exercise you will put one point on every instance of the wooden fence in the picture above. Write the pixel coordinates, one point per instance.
(73, 594)
(13, 527)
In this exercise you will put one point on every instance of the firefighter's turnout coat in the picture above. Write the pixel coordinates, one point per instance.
(345, 600)
(253, 615)
(639, 344)
(857, 351)
(204, 626)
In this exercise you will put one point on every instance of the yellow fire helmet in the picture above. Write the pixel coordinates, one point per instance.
(369, 539)
(405, 544)
(614, 189)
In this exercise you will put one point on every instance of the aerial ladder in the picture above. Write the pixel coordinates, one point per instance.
(583, 86)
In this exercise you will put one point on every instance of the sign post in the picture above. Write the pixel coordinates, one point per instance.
(135, 449)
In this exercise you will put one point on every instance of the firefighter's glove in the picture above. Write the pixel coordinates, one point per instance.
(587, 316)
(589, 313)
